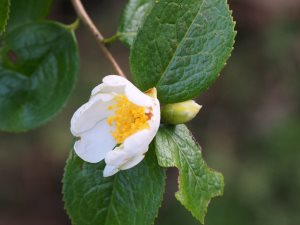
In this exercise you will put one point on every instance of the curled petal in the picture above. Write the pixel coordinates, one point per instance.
(111, 84)
(119, 85)
(116, 158)
(115, 81)
(110, 170)
(133, 162)
(95, 143)
(137, 97)
(138, 142)
(89, 114)
(119, 160)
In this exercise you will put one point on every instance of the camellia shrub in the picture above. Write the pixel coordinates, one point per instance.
(128, 132)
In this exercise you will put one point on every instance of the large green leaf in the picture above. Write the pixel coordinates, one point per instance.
(38, 68)
(4, 14)
(24, 11)
(131, 197)
(132, 18)
(175, 147)
(182, 47)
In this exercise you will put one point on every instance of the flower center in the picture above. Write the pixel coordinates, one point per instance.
(128, 118)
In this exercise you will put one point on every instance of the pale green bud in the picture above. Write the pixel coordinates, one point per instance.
(181, 112)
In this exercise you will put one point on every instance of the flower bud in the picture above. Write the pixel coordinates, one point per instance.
(181, 112)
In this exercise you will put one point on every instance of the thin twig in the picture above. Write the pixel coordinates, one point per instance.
(84, 17)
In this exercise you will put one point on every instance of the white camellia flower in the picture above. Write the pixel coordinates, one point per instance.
(116, 124)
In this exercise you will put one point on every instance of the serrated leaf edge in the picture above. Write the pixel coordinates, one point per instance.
(70, 157)
(178, 193)
(6, 19)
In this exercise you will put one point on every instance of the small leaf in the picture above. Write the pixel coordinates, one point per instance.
(38, 69)
(4, 14)
(182, 47)
(131, 197)
(132, 18)
(24, 11)
(197, 183)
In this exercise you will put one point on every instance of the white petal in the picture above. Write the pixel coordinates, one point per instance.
(115, 81)
(109, 171)
(133, 162)
(87, 116)
(141, 139)
(154, 122)
(113, 84)
(137, 97)
(97, 90)
(137, 142)
(102, 88)
(120, 85)
(95, 143)
(116, 158)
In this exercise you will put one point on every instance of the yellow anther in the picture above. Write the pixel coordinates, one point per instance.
(127, 119)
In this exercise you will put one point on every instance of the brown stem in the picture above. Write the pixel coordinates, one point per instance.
(84, 17)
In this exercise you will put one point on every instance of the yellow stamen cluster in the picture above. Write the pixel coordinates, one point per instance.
(128, 118)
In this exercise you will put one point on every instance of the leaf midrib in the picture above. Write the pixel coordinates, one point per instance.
(171, 136)
(42, 58)
(179, 45)
(111, 200)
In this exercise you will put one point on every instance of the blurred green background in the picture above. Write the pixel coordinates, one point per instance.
(249, 126)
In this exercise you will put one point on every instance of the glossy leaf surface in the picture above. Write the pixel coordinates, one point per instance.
(198, 184)
(130, 197)
(182, 47)
(38, 69)
(132, 19)
(24, 11)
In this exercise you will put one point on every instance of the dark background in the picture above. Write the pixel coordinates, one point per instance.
(249, 126)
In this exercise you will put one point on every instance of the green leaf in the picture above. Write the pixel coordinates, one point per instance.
(131, 197)
(24, 11)
(132, 18)
(175, 147)
(4, 14)
(182, 47)
(38, 69)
